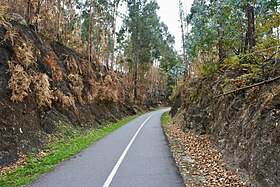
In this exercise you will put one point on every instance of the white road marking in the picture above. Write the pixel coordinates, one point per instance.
(115, 169)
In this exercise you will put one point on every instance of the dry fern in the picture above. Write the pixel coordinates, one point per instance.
(19, 82)
(11, 33)
(3, 10)
(21, 46)
(23, 52)
(44, 94)
(111, 89)
(55, 69)
(65, 100)
(93, 93)
(71, 65)
(76, 85)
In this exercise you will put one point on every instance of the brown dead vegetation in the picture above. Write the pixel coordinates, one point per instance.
(3, 8)
(23, 51)
(71, 65)
(66, 101)
(10, 31)
(110, 89)
(76, 85)
(55, 69)
(23, 57)
(93, 92)
(19, 82)
(22, 47)
(51, 83)
(199, 162)
(44, 94)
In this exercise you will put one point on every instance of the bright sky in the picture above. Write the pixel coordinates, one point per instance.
(169, 14)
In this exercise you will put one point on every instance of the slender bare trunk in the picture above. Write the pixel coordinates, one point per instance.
(137, 55)
(28, 12)
(250, 40)
(222, 51)
(107, 35)
(58, 21)
(37, 28)
(114, 34)
(182, 20)
(89, 33)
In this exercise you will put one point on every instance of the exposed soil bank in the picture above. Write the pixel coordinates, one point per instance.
(244, 126)
(47, 80)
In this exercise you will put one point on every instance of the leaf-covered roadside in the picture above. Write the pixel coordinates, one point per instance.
(200, 164)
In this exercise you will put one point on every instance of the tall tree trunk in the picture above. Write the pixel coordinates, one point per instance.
(115, 15)
(28, 12)
(65, 23)
(113, 47)
(183, 27)
(221, 46)
(36, 25)
(107, 55)
(250, 40)
(137, 54)
(89, 33)
(58, 21)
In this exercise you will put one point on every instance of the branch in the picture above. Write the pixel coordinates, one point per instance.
(259, 51)
(250, 86)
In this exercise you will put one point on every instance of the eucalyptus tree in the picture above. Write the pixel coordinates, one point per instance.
(238, 31)
(145, 39)
(98, 29)
(202, 39)
(184, 31)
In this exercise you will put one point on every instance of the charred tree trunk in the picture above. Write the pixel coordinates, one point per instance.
(58, 21)
(89, 33)
(36, 24)
(107, 41)
(137, 54)
(221, 46)
(28, 12)
(250, 40)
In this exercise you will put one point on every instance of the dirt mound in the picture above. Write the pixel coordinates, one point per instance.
(40, 80)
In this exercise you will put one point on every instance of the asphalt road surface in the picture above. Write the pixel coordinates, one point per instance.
(135, 155)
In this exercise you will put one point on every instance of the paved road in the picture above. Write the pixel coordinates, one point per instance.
(134, 155)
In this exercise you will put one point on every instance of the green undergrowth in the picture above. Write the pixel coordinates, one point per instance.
(165, 120)
(66, 142)
(153, 109)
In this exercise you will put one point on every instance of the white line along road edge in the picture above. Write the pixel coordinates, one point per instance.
(115, 169)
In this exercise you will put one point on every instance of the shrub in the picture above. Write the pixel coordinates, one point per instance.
(44, 94)
(76, 85)
(55, 69)
(19, 82)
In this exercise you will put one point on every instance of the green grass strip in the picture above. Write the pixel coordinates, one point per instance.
(56, 152)
(165, 120)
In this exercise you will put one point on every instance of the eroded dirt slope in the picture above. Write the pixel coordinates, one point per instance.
(41, 80)
(243, 125)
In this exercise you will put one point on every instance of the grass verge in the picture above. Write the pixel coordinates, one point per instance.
(55, 152)
(165, 120)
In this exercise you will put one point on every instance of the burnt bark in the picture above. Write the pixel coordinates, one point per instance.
(58, 21)
(250, 40)
(221, 46)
